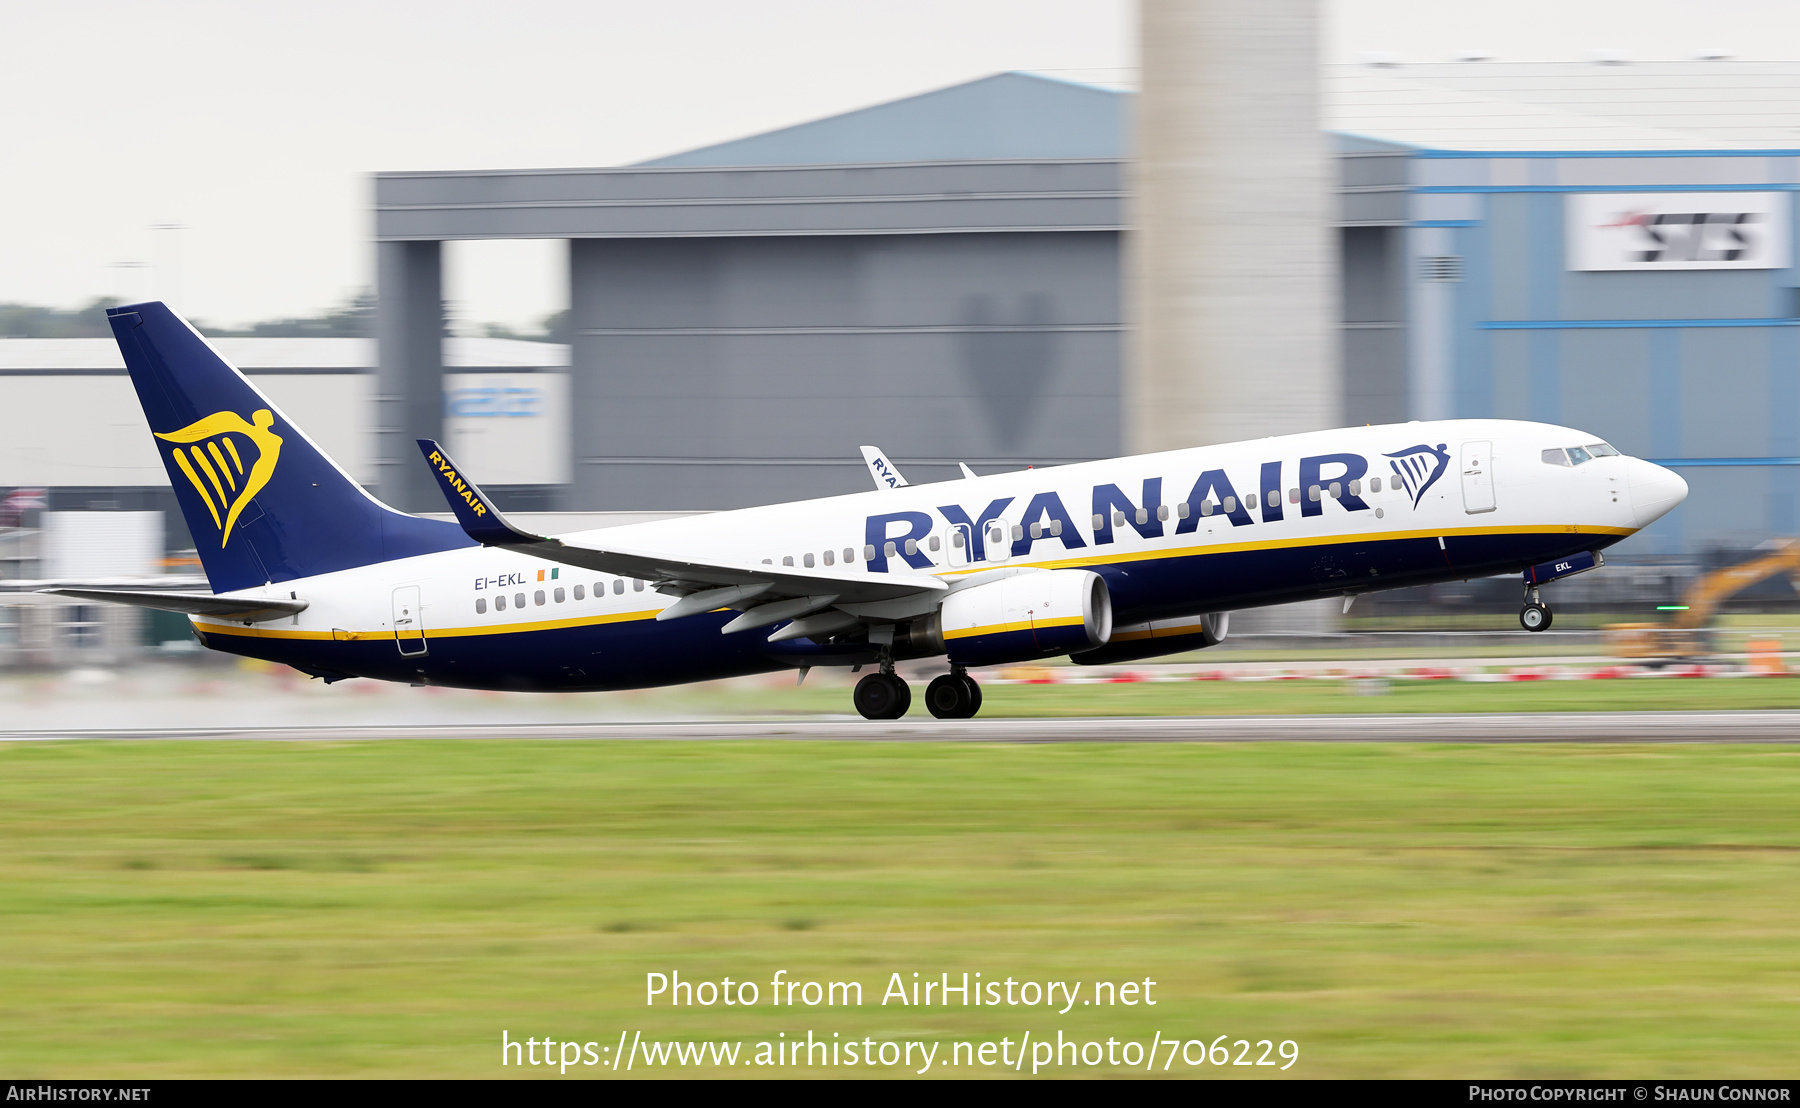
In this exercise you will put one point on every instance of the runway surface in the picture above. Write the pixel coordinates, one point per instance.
(1576, 727)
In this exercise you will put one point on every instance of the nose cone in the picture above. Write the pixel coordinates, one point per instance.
(1655, 491)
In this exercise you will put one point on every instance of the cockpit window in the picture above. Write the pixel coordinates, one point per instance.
(1556, 457)
(1602, 450)
(1578, 455)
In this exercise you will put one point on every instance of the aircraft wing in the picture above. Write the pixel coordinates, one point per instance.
(729, 584)
(246, 608)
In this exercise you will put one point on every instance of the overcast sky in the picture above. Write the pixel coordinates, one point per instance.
(252, 126)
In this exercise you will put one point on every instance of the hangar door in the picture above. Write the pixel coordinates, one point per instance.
(409, 629)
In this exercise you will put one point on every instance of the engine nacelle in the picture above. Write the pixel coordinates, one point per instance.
(1158, 637)
(1014, 619)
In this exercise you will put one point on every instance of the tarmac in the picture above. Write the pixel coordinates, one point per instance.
(1564, 727)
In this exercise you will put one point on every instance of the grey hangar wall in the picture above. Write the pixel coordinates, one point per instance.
(738, 332)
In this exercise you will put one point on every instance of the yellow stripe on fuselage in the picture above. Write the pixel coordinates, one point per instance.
(1196, 549)
(430, 632)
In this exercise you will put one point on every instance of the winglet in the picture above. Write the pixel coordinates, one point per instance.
(480, 520)
(886, 474)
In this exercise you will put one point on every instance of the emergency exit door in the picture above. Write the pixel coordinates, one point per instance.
(1478, 477)
(409, 628)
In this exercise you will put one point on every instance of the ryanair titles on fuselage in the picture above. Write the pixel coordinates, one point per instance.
(1415, 468)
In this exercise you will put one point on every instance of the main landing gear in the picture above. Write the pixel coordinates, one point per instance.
(1535, 615)
(883, 695)
(955, 695)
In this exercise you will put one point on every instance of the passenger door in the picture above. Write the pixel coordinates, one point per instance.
(1478, 477)
(409, 628)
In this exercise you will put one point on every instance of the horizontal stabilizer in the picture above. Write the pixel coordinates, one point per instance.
(248, 608)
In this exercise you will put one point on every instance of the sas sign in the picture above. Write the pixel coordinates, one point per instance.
(1677, 230)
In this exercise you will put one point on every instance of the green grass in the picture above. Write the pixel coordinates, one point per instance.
(387, 909)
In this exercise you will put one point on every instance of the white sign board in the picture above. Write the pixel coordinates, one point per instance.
(1649, 231)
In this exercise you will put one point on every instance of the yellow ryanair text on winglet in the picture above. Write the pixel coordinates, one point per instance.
(228, 488)
(456, 483)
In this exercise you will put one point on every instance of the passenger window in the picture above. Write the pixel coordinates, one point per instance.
(1312, 493)
(1556, 457)
(1250, 501)
(1118, 519)
(619, 587)
(637, 585)
(1099, 522)
(480, 606)
(1356, 488)
(1374, 484)
(912, 546)
(538, 597)
(996, 536)
(807, 561)
(1602, 450)
(1230, 504)
(829, 560)
(1337, 490)
(1055, 529)
(500, 603)
(889, 550)
(1577, 455)
(1162, 512)
(849, 554)
(1294, 496)
(868, 553)
(1143, 516)
(519, 599)
(1206, 508)
(1037, 530)
(558, 596)
(1018, 532)
(934, 542)
(581, 592)
(956, 539)
(1182, 511)
(788, 560)
(768, 561)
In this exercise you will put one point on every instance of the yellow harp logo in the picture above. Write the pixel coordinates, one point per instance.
(227, 487)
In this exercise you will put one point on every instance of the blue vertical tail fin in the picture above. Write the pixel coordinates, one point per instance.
(263, 502)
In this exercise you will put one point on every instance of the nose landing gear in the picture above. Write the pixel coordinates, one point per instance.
(1535, 615)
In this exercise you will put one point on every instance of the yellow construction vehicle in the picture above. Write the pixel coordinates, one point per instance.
(1687, 635)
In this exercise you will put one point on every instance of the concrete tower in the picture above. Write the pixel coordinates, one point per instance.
(1232, 295)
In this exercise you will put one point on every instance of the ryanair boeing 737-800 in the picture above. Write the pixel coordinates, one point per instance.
(1103, 561)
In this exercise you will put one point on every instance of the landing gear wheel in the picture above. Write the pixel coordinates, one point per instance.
(974, 690)
(1534, 617)
(882, 696)
(953, 696)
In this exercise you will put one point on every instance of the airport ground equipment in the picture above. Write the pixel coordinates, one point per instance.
(1688, 634)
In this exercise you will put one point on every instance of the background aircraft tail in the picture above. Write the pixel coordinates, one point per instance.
(263, 503)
